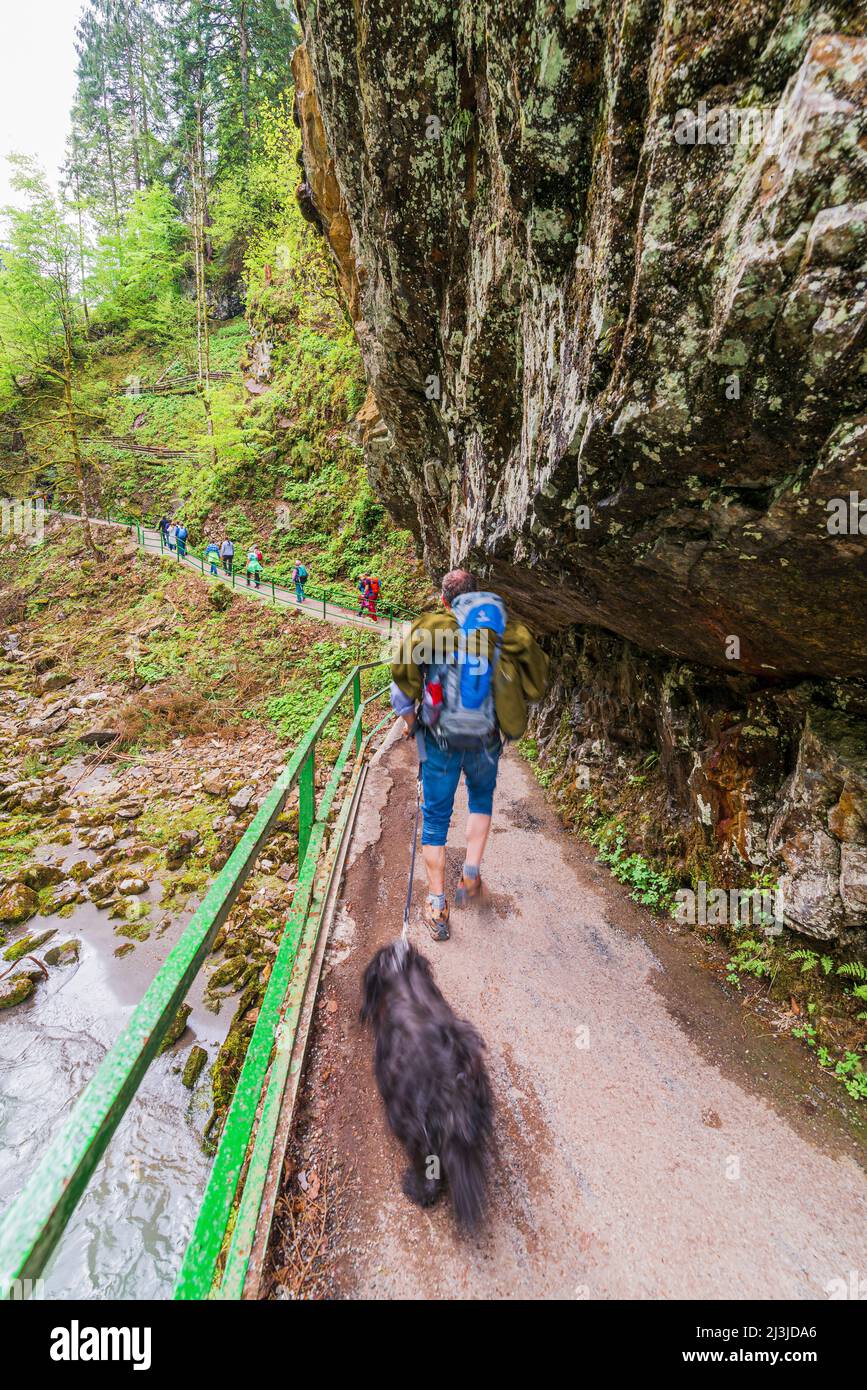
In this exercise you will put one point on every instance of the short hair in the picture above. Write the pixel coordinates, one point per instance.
(457, 582)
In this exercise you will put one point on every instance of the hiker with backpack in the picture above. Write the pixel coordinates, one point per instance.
(254, 569)
(362, 589)
(462, 681)
(171, 535)
(368, 587)
(372, 595)
(181, 537)
(227, 554)
(164, 529)
(212, 555)
(299, 579)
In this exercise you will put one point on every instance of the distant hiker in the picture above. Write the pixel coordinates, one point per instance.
(465, 676)
(368, 587)
(212, 555)
(164, 529)
(254, 569)
(171, 535)
(181, 534)
(227, 554)
(299, 579)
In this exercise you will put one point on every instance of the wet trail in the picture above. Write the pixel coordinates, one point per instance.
(654, 1139)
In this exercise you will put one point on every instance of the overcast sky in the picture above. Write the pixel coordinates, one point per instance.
(37, 81)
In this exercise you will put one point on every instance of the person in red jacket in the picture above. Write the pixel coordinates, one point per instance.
(368, 587)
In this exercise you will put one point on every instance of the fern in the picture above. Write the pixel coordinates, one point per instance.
(809, 958)
(855, 969)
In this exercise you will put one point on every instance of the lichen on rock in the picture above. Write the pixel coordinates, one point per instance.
(611, 296)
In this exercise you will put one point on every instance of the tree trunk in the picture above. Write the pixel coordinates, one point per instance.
(203, 342)
(72, 422)
(80, 240)
(244, 58)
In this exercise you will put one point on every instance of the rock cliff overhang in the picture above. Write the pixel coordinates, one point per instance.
(608, 262)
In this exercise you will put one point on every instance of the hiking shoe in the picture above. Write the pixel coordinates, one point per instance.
(468, 890)
(436, 922)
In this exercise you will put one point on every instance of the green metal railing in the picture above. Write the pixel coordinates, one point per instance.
(218, 1256)
(340, 599)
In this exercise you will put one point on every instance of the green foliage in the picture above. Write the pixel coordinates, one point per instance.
(316, 680)
(810, 959)
(750, 957)
(136, 279)
(847, 1068)
(651, 886)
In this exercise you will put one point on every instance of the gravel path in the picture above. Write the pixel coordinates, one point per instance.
(655, 1139)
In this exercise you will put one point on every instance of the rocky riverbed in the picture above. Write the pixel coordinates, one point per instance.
(104, 856)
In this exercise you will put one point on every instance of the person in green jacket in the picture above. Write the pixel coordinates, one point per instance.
(463, 679)
(253, 570)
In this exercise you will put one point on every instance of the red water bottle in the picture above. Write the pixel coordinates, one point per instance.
(433, 702)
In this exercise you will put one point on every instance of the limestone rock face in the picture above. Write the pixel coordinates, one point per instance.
(613, 305)
(322, 190)
(734, 779)
(610, 287)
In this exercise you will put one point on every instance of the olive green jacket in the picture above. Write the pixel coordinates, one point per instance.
(520, 668)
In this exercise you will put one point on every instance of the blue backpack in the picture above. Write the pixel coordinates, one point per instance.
(467, 717)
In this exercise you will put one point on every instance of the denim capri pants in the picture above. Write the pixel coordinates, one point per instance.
(441, 773)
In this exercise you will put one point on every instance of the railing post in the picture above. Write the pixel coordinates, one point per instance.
(233, 574)
(306, 803)
(273, 595)
(323, 603)
(356, 705)
(202, 561)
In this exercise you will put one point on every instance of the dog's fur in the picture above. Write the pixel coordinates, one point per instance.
(431, 1075)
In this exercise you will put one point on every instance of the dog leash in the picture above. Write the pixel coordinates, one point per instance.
(422, 757)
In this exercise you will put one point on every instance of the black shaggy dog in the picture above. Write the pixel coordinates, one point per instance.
(432, 1078)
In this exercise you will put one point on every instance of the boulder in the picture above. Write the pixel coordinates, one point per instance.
(26, 945)
(196, 1059)
(40, 875)
(242, 799)
(54, 680)
(132, 886)
(101, 885)
(14, 990)
(43, 798)
(176, 1028)
(65, 893)
(99, 736)
(18, 903)
(66, 953)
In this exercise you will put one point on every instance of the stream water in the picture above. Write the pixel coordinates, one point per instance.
(129, 1231)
